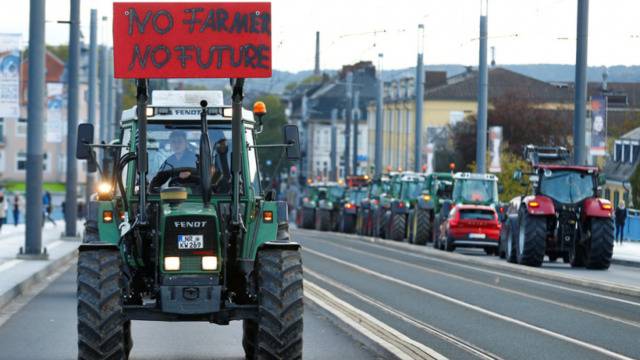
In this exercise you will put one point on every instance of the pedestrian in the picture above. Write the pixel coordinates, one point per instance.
(3, 209)
(621, 218)
(16, 209)
(47, 208)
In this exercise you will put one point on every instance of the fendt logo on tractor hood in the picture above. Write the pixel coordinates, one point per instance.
(190, 224)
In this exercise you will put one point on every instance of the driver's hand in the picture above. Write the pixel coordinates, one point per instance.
(184, 174)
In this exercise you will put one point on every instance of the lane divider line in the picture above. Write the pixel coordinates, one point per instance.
(481, 310)
(452, 339)
(480, 283)
(432, 257)
(393, 341)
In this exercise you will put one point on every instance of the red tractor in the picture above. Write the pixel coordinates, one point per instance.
(563, 217)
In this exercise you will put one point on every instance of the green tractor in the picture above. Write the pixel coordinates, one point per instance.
(182, 231)
(404, 189)
(328, 206)
(308, 209)
(367, 211)
(437, 189)
(468, 189)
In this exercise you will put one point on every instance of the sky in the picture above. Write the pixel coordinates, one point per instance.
(522, 31)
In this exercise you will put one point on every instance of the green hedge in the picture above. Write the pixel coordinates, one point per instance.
(22, 187)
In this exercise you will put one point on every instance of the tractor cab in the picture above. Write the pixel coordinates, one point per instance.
(476, 189)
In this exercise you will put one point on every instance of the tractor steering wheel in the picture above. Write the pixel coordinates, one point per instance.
(173, 175)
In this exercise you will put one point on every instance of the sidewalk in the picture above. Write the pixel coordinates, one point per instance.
(17, 275)
(627, 254)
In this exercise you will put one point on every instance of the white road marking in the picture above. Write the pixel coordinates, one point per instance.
(372, 328)
(480, 283)
(452, 339)
(537, 282)
(479, 309)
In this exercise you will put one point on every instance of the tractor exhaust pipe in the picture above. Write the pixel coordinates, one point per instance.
(142, 97)
(205, 155)
(236, 135)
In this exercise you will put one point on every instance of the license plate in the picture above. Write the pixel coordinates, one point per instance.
(190, 242)
(477, 236)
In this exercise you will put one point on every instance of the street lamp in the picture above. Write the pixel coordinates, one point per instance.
(420, 39)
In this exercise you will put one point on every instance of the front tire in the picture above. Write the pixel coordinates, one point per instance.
(532, 237)
(424, 228)
(323, 220)
(348, 223)
(278, 334)
(307, 218)
(600, 244)
(103, 332)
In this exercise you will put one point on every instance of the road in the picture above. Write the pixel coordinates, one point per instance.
(466, 311)
(45, 328)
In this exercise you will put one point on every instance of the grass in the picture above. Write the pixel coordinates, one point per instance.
(22, 187)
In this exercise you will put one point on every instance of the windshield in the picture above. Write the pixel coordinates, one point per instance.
(336, 191)
(172, 146)
(566, 186)
(475, 191)
(378, 188)
(411, 189)
(445, 188)
(356, 195)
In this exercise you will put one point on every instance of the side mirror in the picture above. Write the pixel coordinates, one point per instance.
(292, 140)
(85, 138)
(602, 179)
(517, 175)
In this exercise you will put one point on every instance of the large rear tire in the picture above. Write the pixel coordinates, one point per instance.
(348, 223)
(600, 244)
(511, 254)
(308, 218)
(103, 332)
(532, 237)
(398, 227)
(280, 306)
(424, 227)
(323, 220)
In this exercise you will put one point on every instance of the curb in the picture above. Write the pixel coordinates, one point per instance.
(513, 268)
(629, 263)
(35, 278)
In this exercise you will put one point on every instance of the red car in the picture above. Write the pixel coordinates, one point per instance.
(474, 226)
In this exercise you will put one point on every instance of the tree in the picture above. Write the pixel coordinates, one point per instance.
(509, 162)
(523, 122)
(273, 122)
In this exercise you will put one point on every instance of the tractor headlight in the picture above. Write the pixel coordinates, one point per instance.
(172, 263)
(209, 263)
(105, 191)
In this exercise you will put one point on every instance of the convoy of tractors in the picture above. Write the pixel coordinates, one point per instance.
(561, 216)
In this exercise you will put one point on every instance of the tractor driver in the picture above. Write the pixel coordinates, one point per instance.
(182, 157)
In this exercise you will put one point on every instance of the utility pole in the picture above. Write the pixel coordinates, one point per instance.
(417, 151)
(110, 119)
(71, 209)
(104, 68)
(35, 133)
(347, 131)
(93, 86)
(316, 69)
(356, 120)
(379, 122)
(580, 112)
(334, 144)
(483, 82)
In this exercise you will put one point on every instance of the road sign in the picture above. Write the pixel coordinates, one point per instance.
(192, 40)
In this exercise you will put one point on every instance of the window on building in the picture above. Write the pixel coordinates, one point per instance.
(607, 194)
(21, 127)
(1, 161)
(625, 197)
(617, 154)
(635, 150)
(626, 156)
(616, 198)
(1, 130)
(21, 161)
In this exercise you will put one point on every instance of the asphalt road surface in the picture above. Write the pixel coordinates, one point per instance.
(45, 328)
(466, 311)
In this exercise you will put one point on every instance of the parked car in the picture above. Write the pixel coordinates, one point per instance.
(472, 226)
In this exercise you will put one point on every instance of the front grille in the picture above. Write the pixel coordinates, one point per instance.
(190, 225)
